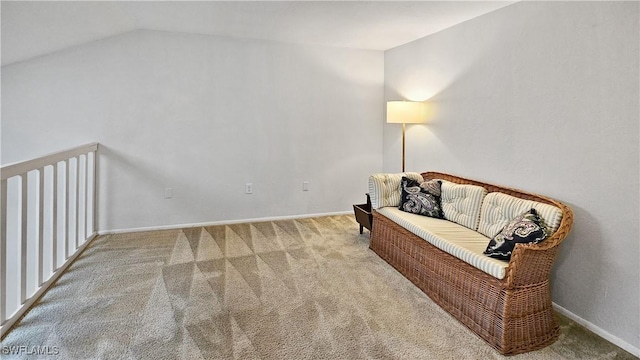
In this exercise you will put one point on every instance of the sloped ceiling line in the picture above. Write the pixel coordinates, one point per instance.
(35, 28)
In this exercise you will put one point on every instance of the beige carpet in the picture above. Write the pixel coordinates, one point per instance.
(296, 289)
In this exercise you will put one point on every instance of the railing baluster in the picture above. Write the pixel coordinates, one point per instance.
(41, 227)
(94, 189)
(86, 196)
(67, 218)
(23, 239)
(54, 227)
(77, 209)
(3, 251)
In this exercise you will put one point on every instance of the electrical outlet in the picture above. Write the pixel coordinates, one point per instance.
(305, 186)
(248, 188)
(168, 193)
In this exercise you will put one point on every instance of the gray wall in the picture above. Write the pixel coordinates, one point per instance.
(203, 115)
(542, 96)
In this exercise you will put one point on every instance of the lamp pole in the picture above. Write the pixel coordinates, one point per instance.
(403, 141)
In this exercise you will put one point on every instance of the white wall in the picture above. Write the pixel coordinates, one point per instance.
(203, 115)
(542, 96)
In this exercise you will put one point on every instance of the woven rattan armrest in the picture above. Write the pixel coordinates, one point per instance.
(532, 263)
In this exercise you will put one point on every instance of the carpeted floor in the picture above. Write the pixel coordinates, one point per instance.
(295, 289)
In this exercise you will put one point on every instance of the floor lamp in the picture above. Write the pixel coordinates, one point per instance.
(405, 112)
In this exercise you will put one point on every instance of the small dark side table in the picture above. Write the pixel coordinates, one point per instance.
(363, 214)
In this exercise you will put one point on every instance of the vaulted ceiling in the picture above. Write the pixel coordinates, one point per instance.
(35, 28)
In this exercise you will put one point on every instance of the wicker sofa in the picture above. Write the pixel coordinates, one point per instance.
(509, 304)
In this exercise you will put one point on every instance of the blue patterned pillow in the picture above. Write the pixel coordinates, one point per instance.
(525, 228)
(422, 199)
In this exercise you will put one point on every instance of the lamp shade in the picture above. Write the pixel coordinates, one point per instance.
(407, 112)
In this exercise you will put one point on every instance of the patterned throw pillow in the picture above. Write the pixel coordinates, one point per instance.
(525, 228)
(422, 199)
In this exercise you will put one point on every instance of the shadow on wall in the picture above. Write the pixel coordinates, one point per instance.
(590, 262)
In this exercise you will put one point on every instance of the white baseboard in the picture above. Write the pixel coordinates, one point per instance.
(598, 331)
(221, 222)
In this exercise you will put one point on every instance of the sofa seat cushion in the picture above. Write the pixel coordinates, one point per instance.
(461, 203)
(498, 209)
(457, 240)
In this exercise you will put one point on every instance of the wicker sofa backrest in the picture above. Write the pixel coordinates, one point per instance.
(490, 187)
(550, 243)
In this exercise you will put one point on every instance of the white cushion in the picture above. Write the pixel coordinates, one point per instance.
(498, 209)
(457, 240)
(462, 203)
(384, 189)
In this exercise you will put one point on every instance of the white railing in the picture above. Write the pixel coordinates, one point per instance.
(47, 217)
